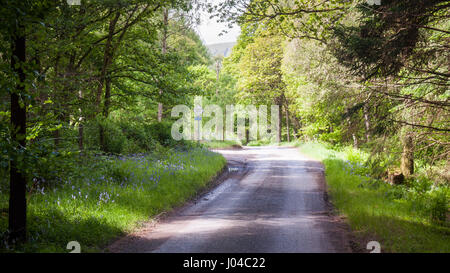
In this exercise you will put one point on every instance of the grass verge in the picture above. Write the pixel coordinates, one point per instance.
(110, 196)
(398, 217)
(221, 144)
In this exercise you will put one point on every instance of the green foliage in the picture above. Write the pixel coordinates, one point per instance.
(260, 67)
(125, 136)
(205, 81)
(403, 218)
(259, 142)
(161, 132)
(439, 205)
(107, 196)
(222, 144)
(49, 166)
(138, 133)
(348, 73)
(115, 139)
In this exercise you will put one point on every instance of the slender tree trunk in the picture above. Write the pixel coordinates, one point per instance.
(105, 112)
(367, 121)
(355, 140)
(107, 60)
(81, 135)
(366, 116)
(218, 69)
(280, 119)
(163, 51)
(287, 123)
(160, 109)
(17, 200)
(352, 131)
(80, 125)
(407, 161)
(107, 102)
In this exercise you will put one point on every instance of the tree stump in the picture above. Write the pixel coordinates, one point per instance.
(396, 178)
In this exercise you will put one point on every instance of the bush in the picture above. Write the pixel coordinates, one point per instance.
(439, 205)
(424, 198)
(354, 155)
(396, 192)
(420, 185)
(115, 140)
(140, 139)
(129, 136)
(161, 132)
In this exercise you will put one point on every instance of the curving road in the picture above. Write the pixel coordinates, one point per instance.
(271, 200)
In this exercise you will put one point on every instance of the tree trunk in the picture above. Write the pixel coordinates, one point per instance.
(352, 131)
(106, 106)
(287, 123)
(218, 69)
(163, 51)
(17, 198)
(80, 125)
(407, 161)
(80, 135)
(280, 116)
(160, 110)
(107, 102)
(366, 121)
(355, 140)
(107, 59)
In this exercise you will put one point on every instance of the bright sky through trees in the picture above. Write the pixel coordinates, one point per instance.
(209, 29)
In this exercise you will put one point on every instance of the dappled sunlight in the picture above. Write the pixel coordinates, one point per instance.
(134, 111)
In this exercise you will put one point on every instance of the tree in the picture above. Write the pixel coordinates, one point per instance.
(20, 17)
(319, 94)
(400, 49)
(310, 19)
(17, 201)
(65, 67)
(261, 80)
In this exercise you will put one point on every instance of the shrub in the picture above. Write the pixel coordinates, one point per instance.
(421, 184)
(439, 205)
(130, 137)
(354, 155)
(115, 139)
(396, 192)
(161, 132)
(139, 138)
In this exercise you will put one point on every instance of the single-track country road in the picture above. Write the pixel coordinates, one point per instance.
(272, 200)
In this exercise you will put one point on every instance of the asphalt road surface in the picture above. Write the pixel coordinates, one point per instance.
(272, 200)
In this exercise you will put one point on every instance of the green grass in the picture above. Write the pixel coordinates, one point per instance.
(263, 142)
(396, 216)
(293, 143)
(221, 144)
(109, 197)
